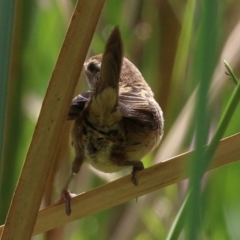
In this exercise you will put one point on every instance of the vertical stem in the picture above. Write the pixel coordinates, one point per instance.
(206, 49)
(26, 201)
(6, 27)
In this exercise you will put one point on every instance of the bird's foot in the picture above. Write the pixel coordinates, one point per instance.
(66, 196)
(138, 166)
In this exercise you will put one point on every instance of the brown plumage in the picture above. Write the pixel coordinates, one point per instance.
(118, 121)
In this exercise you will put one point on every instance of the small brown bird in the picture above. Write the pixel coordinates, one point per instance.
(118, 121)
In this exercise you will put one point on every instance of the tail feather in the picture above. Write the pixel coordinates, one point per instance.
(104, 102)
(111, 62)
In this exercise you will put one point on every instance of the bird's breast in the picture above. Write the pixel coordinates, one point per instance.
(108, 151)
(97, 145)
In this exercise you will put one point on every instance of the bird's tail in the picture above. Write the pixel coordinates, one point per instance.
(105, 99)
(111, 62)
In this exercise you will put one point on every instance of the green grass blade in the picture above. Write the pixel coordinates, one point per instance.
(208, 155)
(6, 28)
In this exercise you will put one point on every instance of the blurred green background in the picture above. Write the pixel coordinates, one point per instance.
(163, 39)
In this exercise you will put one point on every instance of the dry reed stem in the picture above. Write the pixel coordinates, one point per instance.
(122, 190)
(26, 201)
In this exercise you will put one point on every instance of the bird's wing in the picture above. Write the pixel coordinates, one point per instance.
(145, 111)
(78, 104)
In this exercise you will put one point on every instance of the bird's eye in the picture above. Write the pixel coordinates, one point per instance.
(93, 67)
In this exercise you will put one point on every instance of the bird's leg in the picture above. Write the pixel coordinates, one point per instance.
(66, 195)
(137, 166)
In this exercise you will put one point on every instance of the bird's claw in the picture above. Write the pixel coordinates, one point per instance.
(66, 196)
(138, 166)
(134, 178)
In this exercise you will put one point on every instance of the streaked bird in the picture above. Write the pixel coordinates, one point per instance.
(117, 122)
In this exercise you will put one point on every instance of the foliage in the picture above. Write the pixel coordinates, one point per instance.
(165, 40)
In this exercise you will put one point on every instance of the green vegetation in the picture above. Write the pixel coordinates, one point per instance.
(180, 48)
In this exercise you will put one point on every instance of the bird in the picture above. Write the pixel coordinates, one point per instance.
(118, 121)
